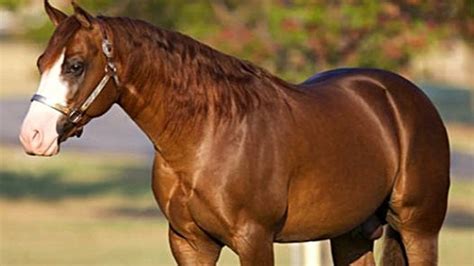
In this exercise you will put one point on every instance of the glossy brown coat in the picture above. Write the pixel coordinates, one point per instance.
(245, 159)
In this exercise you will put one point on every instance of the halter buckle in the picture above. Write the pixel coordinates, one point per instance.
(107, 48)
(75, 116)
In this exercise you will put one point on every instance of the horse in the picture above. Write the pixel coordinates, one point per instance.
(245, 159)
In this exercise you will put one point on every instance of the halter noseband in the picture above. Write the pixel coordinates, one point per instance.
(76, 114)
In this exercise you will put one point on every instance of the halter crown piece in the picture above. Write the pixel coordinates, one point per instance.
(74, 115)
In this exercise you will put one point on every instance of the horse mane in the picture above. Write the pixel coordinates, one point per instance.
(198, 78)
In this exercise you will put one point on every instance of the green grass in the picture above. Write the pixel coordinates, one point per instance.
(83, 209)
(457, 245)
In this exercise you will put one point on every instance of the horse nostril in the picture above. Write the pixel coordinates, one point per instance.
(36, 138)
(35, 135)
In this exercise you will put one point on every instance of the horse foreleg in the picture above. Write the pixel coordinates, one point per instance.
(254, 246)
(199, 250)
(352, 249)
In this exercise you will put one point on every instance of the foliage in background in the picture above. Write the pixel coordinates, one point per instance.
(12, 4)
(296, 38)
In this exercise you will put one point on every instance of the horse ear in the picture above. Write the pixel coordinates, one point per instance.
(55, 15)
(82, 16)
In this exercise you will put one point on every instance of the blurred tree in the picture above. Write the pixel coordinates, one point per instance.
(12, 4)
(296, 38)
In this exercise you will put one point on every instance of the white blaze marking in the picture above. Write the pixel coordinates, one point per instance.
(52, 86)
(43, 119)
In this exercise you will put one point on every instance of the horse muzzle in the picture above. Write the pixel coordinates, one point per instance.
(38, 133)
(36, 142)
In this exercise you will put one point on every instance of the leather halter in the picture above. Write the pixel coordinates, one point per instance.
(76, 114)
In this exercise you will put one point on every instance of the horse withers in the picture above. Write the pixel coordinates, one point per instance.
(245, 159)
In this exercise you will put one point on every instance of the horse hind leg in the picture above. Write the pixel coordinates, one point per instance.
(418, 204)
(393, 250)
(409, 248)
(416, 213)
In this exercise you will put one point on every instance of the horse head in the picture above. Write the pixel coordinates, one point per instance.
(74, 87)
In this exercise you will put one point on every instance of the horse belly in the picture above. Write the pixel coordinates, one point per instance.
(322, 210)
(336, 192)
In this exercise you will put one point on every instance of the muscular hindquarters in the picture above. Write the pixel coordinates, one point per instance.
(349, 161)
(419, 198)
(418, 202)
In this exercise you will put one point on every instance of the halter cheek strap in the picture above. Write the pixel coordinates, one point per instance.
(75, 115)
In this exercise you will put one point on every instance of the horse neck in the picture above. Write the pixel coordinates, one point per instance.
(148, 74)
(175, 88)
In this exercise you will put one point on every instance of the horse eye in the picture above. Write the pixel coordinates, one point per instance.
(76, 68)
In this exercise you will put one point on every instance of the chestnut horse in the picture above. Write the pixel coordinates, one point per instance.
(245, 159)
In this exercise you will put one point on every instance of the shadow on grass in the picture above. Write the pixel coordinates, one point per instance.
(128, 182)
(129, 212)
(459, 219)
